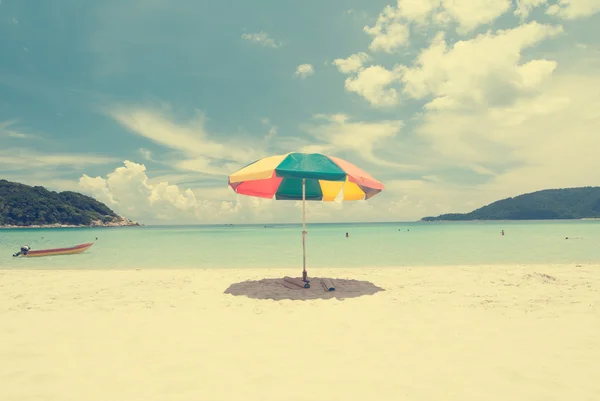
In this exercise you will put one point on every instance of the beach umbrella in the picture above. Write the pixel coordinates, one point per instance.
(305, 177)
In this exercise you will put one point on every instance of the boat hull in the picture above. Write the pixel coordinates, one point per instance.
(59, 251)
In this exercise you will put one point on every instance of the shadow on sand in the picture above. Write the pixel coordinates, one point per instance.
(277, 289)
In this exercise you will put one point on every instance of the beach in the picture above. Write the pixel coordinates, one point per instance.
(501, 332)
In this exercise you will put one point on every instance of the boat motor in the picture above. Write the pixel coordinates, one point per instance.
(23, 251)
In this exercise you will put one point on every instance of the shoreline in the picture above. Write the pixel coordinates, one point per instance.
(118, 221)
(108, 225)
(277, 225)
(506, 221)
(64, 226)
(314, 270)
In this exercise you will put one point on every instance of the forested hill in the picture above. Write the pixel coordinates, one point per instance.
(549, 204)
(23, 205)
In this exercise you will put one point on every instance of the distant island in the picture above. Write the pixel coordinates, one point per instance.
(35, 207)
(549, 204)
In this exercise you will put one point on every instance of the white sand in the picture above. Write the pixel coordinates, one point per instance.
(435, 333)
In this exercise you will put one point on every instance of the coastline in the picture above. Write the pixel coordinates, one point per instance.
(122, 222)
(507, 221)
(516, 332)
(71, 226)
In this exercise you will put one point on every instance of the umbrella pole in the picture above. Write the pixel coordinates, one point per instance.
(304, 274)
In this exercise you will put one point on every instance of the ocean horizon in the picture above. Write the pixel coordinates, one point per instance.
(311, 223)
(273, 245)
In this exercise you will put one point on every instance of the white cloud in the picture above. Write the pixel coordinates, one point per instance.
(392, 28)
(7, 131)
(339, 134)
(524, 7)
(389, 33)
(541, 142)
(200, 165)
(515, 120)
(555, 135)
(470, 14)
(304, 70)
(44, 178)
(199, 152)
(378, 144)
(262, 39)
(156, 126)
(545, 141)
(19, 158)
(127, 190)
(482, 70)
(494, 107)
(135, 195)
(146, 154)
(175, 178)
(351, 64)
(338, 118)
(272, 129)
(573, 9)
(417, 11)
(413, 199)
(373, 83)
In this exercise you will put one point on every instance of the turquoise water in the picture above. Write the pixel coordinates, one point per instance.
(374, 244)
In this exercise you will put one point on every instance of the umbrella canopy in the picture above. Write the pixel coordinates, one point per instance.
(304, 176)
(326, 178)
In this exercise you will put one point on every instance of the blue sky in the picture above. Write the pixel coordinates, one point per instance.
(148, 105)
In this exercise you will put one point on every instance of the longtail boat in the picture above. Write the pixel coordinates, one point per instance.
(56, 251)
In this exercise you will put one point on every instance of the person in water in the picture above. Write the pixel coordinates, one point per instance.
(502, 232)
(347, 235)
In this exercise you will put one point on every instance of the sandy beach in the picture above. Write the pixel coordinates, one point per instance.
(435, 333)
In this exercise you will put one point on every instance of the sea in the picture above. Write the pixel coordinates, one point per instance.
(280, 245)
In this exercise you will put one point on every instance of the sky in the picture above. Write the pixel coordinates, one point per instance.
(148, 105)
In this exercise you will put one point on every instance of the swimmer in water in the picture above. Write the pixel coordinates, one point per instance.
(347, 235)
(502, 232)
